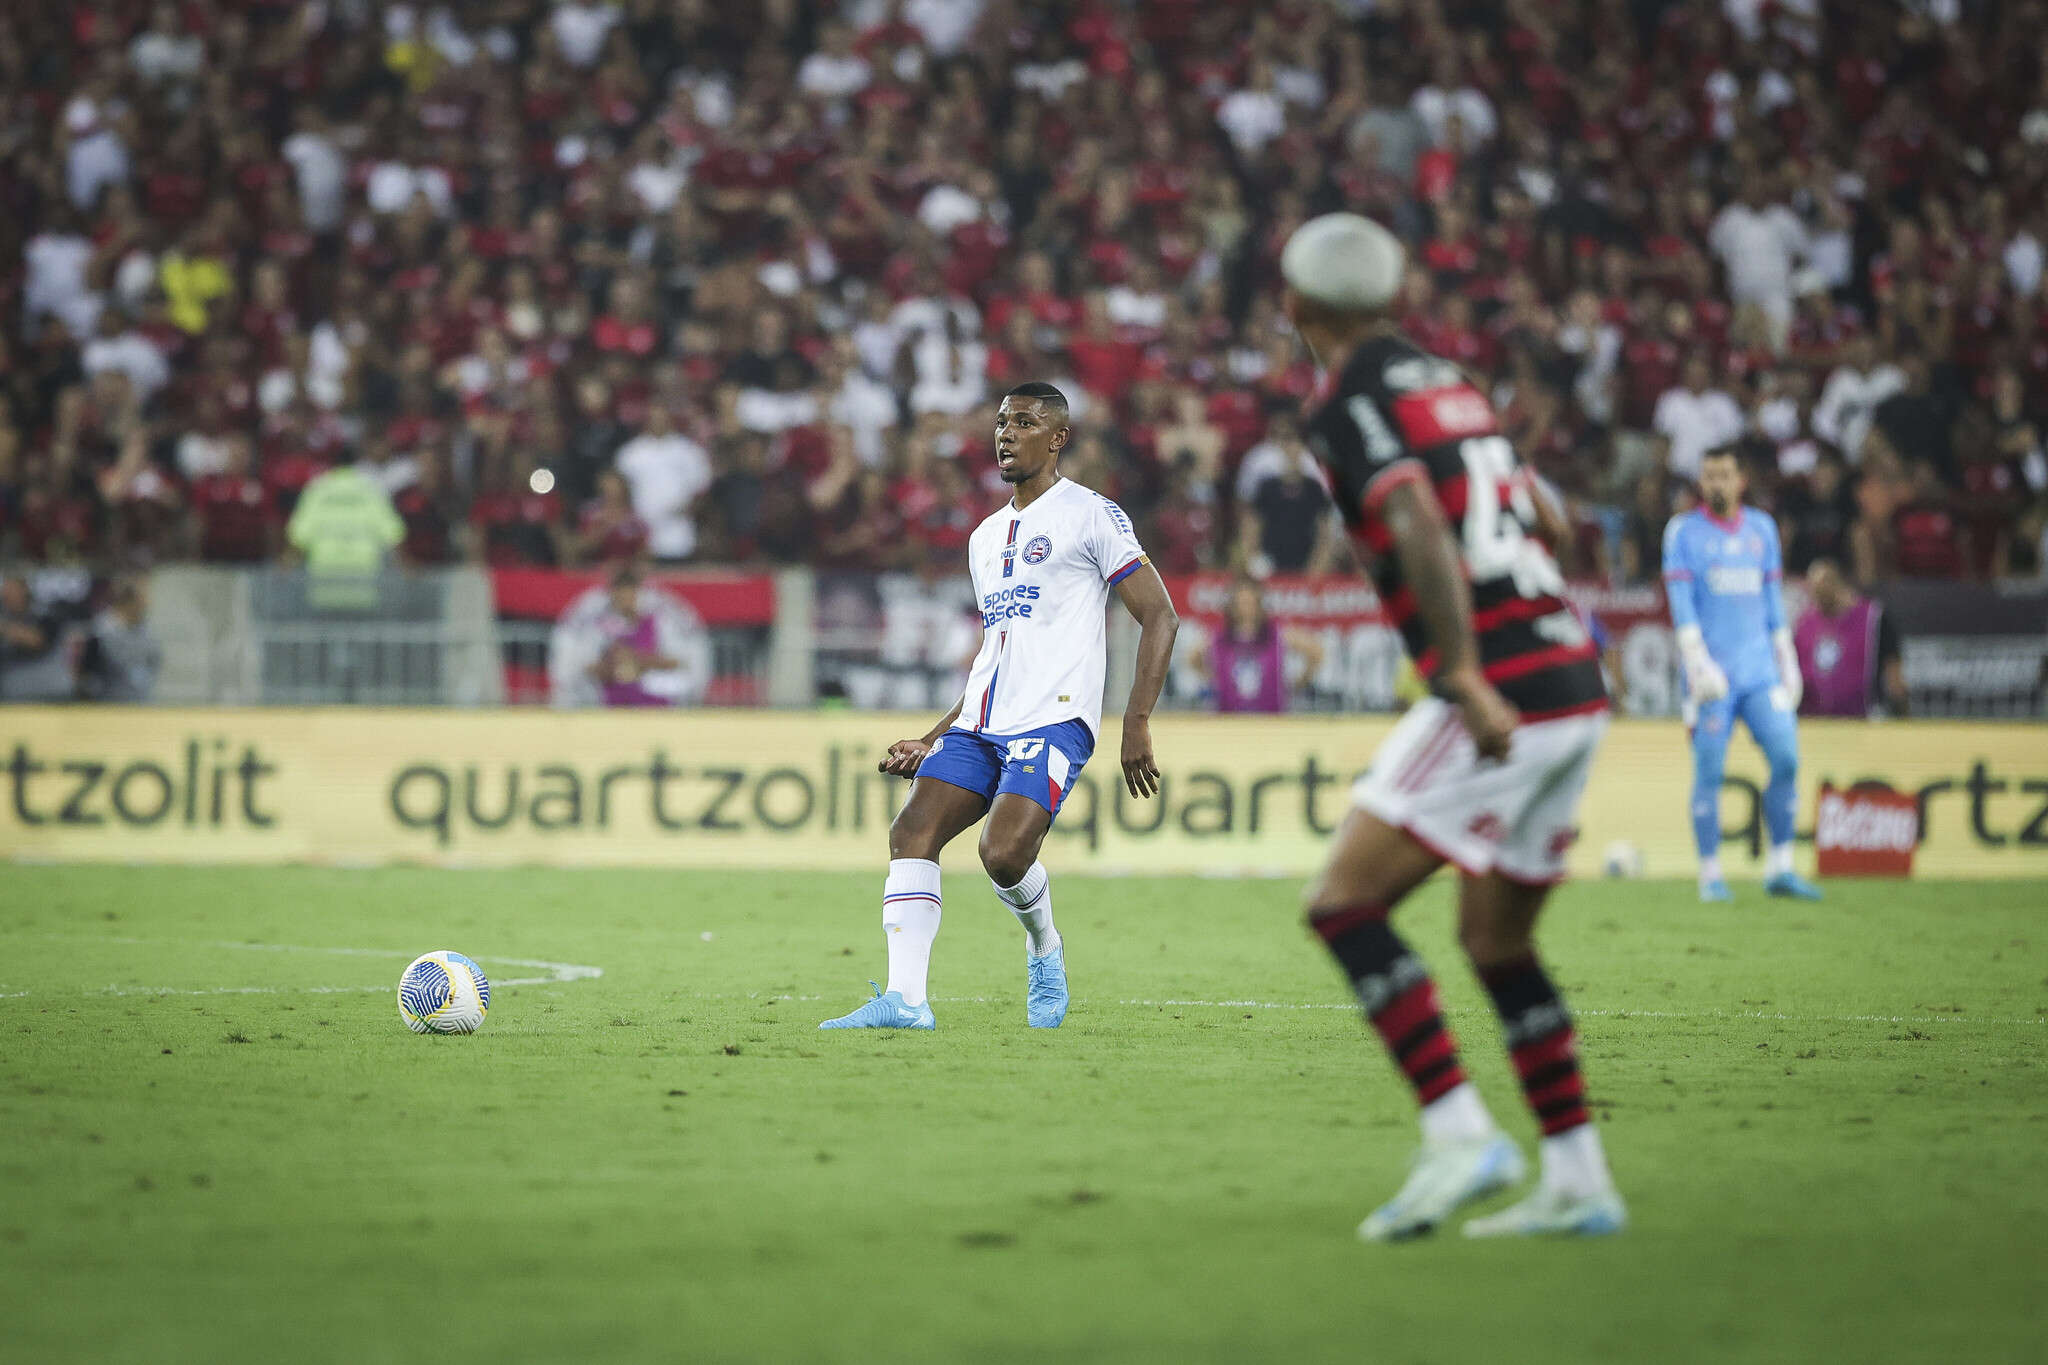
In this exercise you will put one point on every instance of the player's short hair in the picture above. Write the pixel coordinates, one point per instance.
(1345, 263)
(1723, 453)
(1055, 401)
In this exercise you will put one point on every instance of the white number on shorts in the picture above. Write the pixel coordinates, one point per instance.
(1495, 546)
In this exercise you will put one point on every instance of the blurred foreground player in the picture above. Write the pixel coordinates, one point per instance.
(1485, 773)
(1013, 744)
(1722, 575)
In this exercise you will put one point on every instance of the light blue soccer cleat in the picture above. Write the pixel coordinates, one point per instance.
(1793, 885)
(1716, 890)
(1045, 993)
(886, 1010)
(1446, 1176)
(1552, 1213)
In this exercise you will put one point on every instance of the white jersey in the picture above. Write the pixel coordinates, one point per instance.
(1042, 577)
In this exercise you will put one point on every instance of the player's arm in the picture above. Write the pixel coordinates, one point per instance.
(1144, 595)
(1553, 522)
(1774, 618)
(1891, 668)
(905, 754)
(1434, 573)
(1702, 675)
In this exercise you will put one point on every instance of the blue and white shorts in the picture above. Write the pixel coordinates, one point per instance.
(1040, 764)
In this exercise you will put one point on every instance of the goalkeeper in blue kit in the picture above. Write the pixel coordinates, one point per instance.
(1722, 575)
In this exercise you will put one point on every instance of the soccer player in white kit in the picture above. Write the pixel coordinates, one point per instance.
(1043, 566)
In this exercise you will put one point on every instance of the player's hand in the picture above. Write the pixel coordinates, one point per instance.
(1788, 669)
(1706, 679)
(1489, 717)
(1141, 772)
(1703, 677)
(903, 757)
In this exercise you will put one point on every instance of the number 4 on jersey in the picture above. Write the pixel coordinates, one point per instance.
(1496, 543)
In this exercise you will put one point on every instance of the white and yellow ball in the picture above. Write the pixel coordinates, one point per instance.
(443, 992)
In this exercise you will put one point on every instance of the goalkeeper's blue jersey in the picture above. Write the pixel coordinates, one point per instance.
(1724, 577)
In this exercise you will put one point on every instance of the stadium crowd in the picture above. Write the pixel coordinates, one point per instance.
(574, 280)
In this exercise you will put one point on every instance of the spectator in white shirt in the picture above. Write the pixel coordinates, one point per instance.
(855, 401)
(835, 71)
(96, 156)
(1139, 302)
(667, 472)
(945, 24)
(1271, 458)
(1443, 98)
(319, 168)
(930, 308)
(118, 347)
(580, 29)
(57, 258)
(1694, 418)
(952, 372)
(163, 54)
(392, 185)
(1849, 399)
(1255, 115)
(1760, 244)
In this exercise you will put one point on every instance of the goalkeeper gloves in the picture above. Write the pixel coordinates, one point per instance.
(1703, 677)
(1788, 667)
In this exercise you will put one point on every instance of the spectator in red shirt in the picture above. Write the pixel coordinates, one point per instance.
(234, 517)
(608, 532)
(1932, 540)
(516, 515)
(1103, 361)
(432, 512)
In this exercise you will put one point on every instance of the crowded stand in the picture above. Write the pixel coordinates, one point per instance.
(575, 282)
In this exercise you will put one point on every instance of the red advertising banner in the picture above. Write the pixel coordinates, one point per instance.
(1361, 652)
(719, 598)
(1865, 832)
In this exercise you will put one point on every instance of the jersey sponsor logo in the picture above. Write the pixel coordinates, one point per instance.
(1412, 373)
(1037, 550)
(1024, 750)
(1735, 580)
(1436, 416)
(1008, 604)
(1116, 517)
(1381, 445)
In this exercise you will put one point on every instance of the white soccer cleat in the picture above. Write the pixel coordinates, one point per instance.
(1549, 1212)
(1446, 1176)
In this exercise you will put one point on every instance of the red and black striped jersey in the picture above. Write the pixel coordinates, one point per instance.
(1395, 412)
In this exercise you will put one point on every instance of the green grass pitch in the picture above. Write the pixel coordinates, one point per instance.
(218, 1143)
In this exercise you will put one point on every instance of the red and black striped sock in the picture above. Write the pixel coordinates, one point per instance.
(1541, 1041)
(1397, 993)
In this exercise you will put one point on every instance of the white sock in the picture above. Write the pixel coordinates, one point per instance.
(1575, 1163)
(1710, 870)
(910, 920)
(1030, 901)
(1778, 862)
(1457, 1115)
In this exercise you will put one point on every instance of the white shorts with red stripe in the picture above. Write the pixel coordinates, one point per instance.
(1516, 816)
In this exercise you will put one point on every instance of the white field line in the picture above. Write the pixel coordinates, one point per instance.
(557, 972)
(1773, 1016)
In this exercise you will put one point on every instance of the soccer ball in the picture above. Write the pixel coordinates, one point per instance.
(1622, 859)
(443, 992)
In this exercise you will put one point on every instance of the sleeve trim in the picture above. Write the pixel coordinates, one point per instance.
(1401, 471)
(1127, 570)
